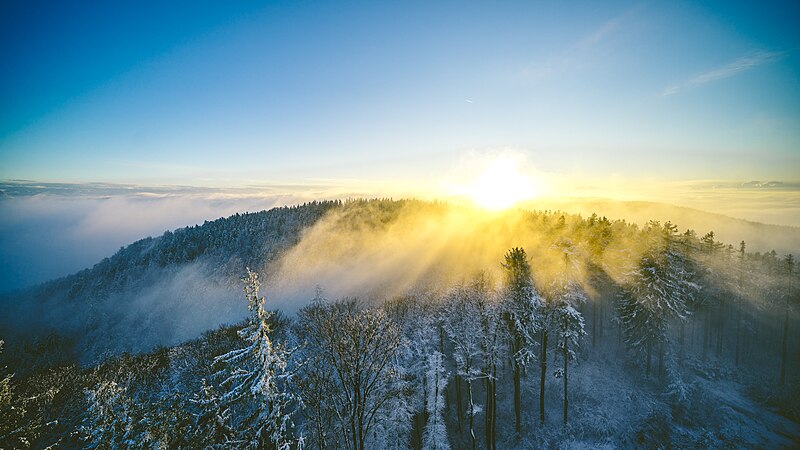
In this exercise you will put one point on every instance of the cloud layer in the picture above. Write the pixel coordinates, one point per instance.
(52, 230)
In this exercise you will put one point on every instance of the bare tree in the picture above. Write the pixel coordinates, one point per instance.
(359, 346)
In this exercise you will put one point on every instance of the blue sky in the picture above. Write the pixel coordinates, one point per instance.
(225, 93)
(311, 100)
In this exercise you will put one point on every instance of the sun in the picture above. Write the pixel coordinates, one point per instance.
(502, 185)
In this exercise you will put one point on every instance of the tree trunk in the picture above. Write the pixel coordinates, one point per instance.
(471, 413)
(720, 326)
(494, 406)
(517, 393)
(543, 363)
(661, 361)
(491, 408)
(488, 416)
(738, 330)
(459, 406)
(683, 334)
(566, 365)
(517, 398)
(602, 319)
(647, 363)
(785, 343)
(594, 323)
(706, 333)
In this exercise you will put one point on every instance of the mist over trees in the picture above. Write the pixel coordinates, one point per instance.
(586, 332)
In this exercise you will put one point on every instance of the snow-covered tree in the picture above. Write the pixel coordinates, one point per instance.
(522, 304)
(569, 325)
(492, 350)
(463, 327)
(657, 291)
(360, 346)
(110, 423)
(435, 437)
(212, 423)
(260, 373)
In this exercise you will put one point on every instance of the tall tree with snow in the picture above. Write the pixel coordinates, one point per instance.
(657, 291)
(260, 373)
(569, 325)
(521, 306)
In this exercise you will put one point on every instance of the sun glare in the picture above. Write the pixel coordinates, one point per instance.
(502, 185)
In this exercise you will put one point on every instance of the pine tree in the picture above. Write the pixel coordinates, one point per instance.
(658, 290)
(569, 325)
(260, 373)
(522, 303)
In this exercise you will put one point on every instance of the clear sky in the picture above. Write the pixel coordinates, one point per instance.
(224, 93)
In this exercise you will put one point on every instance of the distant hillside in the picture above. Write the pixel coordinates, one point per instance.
(163, 290)
(759, 237)
(168, 289)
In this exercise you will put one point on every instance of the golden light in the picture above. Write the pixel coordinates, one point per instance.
(502, 185)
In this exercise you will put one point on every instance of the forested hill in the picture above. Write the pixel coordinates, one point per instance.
(420, 325)
(188, 273)
(252, 238)
(167, 289)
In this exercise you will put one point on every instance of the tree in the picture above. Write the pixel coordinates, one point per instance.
(213, 420)
(569, 324)
(110, 423)
(259, 372)
(316, 381)
(27, 404)
(521, 305)
(739, 304)
(419, 321)
(789, 292)
(463, 327)
(657, 290)
(491, 350)
(359, 346)
(436, 431)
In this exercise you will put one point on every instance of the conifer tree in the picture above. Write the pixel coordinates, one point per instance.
(521, 313)
(569, 325)
(657, 291)
(259, 373)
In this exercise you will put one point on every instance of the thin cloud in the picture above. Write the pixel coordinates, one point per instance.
(605, 30)
(733, 68)
(577, 55)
